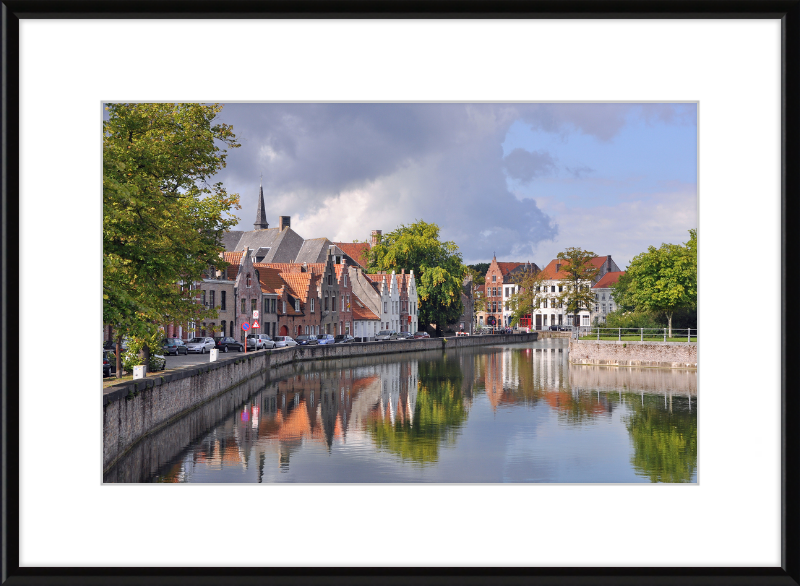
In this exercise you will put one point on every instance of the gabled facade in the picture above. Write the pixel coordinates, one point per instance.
(551, 312)
(366, 324)
(496, 294)
(270, 281)
(409, 311)
(298, 305)
(389, 309)
(604, 302)
(246, 294)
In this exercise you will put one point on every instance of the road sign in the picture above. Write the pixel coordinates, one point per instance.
(255, 315)
(255, 325)
(245, 326)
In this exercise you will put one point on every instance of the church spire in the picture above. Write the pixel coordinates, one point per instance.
(261, 216)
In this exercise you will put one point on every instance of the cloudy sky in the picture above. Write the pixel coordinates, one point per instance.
(522, 181)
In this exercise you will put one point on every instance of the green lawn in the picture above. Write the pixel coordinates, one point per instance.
(637, 338)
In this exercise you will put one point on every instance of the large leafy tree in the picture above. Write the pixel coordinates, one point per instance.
(578, 274)
(662, 280)
(437, 267)
(162, 219)
(529, 296)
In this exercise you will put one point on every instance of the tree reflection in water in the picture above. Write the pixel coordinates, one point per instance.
(437, 416)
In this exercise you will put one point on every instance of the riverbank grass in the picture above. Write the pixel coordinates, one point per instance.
(638, 338)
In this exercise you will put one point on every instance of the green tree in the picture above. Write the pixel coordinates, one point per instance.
(663, 280)
(578, 275)
(437, 267)
(162, 220)
(478, 272)
(529, 296)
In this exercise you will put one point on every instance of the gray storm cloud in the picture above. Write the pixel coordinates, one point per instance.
(342, 169)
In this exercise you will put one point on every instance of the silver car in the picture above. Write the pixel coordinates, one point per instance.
(200, 345)
(259, 342)
(284, 342)
(386, 335)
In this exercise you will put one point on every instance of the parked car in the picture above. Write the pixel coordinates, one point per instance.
(404, 336)
(112, 345)
(421, 334)
(325, 339)
(157, 362)
(460, 333)
(284, 342)
(304, 340)
(200, 345)
(224, 344)
(386, 335)
(561, 328)
(343, 339)
(174, 346)
(106, 365)
(259, 342)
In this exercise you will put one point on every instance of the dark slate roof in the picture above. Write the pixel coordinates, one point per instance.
(283, 244)
(231, 239)
(313, 251)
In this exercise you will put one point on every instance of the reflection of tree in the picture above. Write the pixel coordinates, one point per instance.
(664, 442)
(439, 413)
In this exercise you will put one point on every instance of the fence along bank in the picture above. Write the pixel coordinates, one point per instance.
(134, 409)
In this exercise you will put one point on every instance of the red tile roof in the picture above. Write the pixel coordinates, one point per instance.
(298, 286)
(505, 267)
(269, 278)
(361, 311)
(551, 273)
(233, 259)
(358, 251)
(608, 279)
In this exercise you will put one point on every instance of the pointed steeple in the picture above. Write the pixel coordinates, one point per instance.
(261, 216)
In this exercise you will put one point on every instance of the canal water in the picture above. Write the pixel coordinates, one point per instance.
(487, 414)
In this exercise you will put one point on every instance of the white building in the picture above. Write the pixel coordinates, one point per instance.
(604, 302)
(550, 311)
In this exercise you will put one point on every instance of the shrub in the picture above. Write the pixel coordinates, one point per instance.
(631, 319)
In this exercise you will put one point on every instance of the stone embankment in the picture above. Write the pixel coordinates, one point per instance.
(648, 354)
(135, 409)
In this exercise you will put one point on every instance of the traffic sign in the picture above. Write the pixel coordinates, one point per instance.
(255, 315)
(245, 326)
(255, 325)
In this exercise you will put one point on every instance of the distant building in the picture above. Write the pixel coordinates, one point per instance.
(604, 302)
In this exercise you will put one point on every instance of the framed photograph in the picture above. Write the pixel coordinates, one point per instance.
(732, 68)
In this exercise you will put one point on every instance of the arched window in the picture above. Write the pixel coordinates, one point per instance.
(248, 280)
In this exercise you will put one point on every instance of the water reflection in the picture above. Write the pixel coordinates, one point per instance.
(488, 414)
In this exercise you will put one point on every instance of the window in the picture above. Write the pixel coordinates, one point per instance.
(306, 330)
(297, 305)
(330, 280)
(385, 307)
(333, 302)
(275, 309)
(213, 304)
(604, 296)
(342, 302)
(253, 305)
(326, 301)
(312, 306)
(248, 280)
(544, 319)
(604, 308)
(284, 306)
(494, 278)
(560, 288)
(203, 299)
(223, 322)
(586, 320)
(544, 303)
(222, 301)
(244, 309)
(231, 327)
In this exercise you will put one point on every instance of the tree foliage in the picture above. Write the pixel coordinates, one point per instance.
(529, 296)
(661, 280)
(578, 274)
(162, 220)
(438, 271)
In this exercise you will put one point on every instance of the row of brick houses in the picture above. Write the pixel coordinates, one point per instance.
(503, 280)
(298, 286)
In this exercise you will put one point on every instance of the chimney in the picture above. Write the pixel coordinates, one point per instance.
(558, 266)
(402, 271)
(375, 236)
(285, 222)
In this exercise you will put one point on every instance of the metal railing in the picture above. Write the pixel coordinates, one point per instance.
(636, 334)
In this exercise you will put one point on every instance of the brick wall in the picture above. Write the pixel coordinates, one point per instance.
(610, 353)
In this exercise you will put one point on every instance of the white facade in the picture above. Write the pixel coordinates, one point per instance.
(553, 313)
(508, 290)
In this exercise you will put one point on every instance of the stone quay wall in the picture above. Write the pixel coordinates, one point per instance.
(648, 354)
(135, 409)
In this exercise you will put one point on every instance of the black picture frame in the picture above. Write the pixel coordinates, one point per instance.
(13, 11)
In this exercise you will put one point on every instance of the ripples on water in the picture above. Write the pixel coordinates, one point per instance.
(516, 413)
